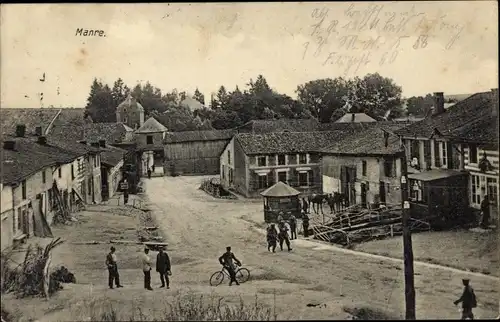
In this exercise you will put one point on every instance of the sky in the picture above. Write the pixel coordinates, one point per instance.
(450, 47)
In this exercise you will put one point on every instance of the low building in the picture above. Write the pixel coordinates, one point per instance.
(364, 165)
(252, 163)
(195, 152)
(112, 161)
(149, 142)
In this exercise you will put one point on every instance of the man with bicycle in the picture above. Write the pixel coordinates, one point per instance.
(227, 260)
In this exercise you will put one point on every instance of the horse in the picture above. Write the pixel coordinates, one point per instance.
(337, 201)
(317, 199)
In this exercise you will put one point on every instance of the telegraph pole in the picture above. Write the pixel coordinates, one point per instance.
(407, 244)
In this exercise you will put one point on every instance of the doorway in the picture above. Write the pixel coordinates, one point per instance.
(363, 195)
(381, 192)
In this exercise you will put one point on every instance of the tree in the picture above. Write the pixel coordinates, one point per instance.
(222, 99)
(100, 103)
(418, 105)
(119, 92)
(199, 96)
(375, 95)
(324, 97)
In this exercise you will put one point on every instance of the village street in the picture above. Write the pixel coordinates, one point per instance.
(199, 227)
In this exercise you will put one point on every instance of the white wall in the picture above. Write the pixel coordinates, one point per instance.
(7, 201)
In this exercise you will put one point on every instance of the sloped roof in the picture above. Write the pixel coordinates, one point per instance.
(286, 142)
(111, 156)
(369, 141)
(193, 136)
(482, 130)
(435, 174)
(277, 125)
(130, 102)
(29, 157)
(358, 118)
(280, 189)
(70, 116)
(191, 103)
(92, 132)
(30, 117)
(151, 126)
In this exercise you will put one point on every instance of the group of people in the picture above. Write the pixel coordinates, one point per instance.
(163, 268)
(284, 233)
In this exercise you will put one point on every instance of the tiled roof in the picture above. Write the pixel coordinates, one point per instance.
(30, 117)
(280, 189)
(29, 157)
(70, 116)
(286, 142)
(358, 118)
(482, 130)
(277, 125)
(449, 122)
(74, 147)
(192, 136)
(111, 156)
(151, 126)
(93, 132)
(369, 141)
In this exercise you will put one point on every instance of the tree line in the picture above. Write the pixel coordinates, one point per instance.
(324, 99)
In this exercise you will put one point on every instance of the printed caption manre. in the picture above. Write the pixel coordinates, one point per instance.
(90, 32)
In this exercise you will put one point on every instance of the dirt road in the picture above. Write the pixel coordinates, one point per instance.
(199, 227)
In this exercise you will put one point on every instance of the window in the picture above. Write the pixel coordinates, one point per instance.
(59, 172)
(230, 175)
(437, 158)
(363, 170)
(415, 149)
(223, 172)
(444, 153)
(492, 190)
(302, 158)
(282, 176)
(427, 153)
(228, 157)
(281, 159)
(19, 219)
(72, 172)
(475, 190)
(389, 168)
(261, 161)
(44, 177)
(262, 181)
(472, 153)
(149, 139)
(23, 189)
(303, 179)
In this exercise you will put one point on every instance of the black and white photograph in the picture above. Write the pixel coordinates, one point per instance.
(249, 161)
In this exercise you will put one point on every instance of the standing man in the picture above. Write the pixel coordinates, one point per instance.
(305, 224)
(149, 173)
(228, 260)
(153, 168)
(272, 238)
(293, 227)
(163, 267)
(146, 269)
(124, 187)
(111, 263)
(31, 218)
(485, 210)
(468, 300)
(283, 235)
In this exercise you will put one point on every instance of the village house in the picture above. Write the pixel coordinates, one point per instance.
(112, 161)
(33, 170)
(453, 164)
(130, 112)
(195, 152)
(149, 142)
(251, 163)
(364, 165)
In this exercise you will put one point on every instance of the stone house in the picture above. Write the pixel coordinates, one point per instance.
(149, 142)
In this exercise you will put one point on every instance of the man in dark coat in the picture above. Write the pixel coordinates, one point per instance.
(124, 187)
(305, 205)
(305, 224)
(163, 267)
(283, 235)
(293, 226)
(111, 263)
(228, 260)
(272, 238)
(468, 300)
(149, 173)
(485, 210)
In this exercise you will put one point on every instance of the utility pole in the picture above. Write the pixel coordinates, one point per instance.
(407, 244)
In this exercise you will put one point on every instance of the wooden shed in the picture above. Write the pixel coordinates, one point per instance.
(280, 198)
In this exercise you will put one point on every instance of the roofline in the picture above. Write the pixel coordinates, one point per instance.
(361, 154)
(23, 177)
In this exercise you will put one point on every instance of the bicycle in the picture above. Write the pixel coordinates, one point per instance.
(242, 275)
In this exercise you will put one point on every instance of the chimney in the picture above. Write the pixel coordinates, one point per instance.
(42, 140)
(494, 103)
(438, 103)
(9, 145)
(95, 144)
(20, 130)
(353, 117)
(102, 143)
(38, 131)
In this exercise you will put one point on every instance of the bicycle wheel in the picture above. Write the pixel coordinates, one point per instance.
(216, 278)
(242, 275)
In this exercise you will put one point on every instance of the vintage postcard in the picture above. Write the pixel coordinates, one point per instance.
(249, 161)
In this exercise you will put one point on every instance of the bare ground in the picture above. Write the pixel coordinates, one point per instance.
(198, 228)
